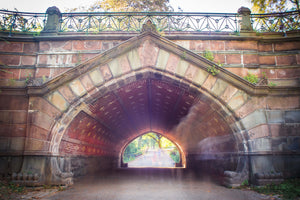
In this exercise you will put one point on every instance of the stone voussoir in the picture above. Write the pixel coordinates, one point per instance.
(58, 101)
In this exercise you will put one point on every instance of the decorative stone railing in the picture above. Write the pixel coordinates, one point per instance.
(53, 21)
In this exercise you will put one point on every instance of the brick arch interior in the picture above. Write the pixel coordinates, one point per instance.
(99, 125)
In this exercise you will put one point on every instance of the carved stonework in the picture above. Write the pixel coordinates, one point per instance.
(268, 178)
(27, 179)
(149, 26)
(37, 171)
(59, 176)
(236, 178)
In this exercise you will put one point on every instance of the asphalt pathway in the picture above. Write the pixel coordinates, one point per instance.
(151, 184)
(153, 158)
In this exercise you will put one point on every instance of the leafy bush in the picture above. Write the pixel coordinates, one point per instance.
(289, 189)
(271, 84)
(208, 55)
(213, 70)
(252, 78)
(245, 183)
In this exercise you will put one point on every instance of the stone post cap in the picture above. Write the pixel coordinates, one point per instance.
(244, 11)
(53, 20)
(53, 10)
(245, 20)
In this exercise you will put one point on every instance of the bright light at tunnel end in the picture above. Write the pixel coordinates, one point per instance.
(152, 150)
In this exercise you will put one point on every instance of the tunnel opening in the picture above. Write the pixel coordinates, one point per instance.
(152, 150)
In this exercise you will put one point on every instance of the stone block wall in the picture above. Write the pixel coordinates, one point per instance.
(279, 60)
(23, 61)
(273, 56)
(13, 123)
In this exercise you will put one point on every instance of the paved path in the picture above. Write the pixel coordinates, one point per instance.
(148, 184)
(153, 158)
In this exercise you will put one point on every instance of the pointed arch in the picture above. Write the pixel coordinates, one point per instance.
(168, 86)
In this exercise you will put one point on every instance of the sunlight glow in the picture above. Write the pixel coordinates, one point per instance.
(151, 150)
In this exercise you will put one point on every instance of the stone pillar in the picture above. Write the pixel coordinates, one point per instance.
(245, 20)
(54, 16)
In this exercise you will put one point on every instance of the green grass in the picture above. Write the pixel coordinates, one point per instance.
(8, 188)
(288, 190)
(12, 191)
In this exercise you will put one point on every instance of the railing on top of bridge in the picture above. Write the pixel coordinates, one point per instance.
(96, 22)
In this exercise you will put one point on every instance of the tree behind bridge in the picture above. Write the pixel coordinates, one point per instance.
(270, 6)
(126, 6)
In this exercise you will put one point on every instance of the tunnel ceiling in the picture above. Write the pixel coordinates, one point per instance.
(147, 104)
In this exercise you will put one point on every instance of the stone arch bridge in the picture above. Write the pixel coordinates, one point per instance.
(71, 102)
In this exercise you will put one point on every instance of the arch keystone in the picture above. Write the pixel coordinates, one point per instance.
(148, 53)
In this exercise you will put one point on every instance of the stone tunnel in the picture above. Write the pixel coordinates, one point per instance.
(80, 120)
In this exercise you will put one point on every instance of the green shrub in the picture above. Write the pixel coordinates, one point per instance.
(271, 84)
(289, 189)
(208, 55)
(245, 183)
(252, 78)
(213, 70)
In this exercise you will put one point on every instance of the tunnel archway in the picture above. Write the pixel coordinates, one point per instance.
(143, 85)
(213, 141)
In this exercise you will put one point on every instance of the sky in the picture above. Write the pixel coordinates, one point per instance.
(215, 6)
